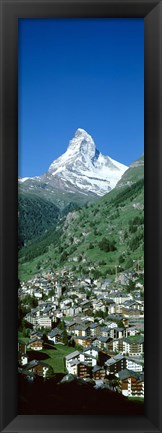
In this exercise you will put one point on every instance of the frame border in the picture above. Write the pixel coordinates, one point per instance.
(151, 11)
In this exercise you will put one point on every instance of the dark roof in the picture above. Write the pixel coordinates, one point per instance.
(80, 337)
(72, 355)
(105, 329)
(91, 347)
(70, 323)
(33, 340)
(137, 339)
(103, 339)
(55, 332)
(93, 325)
(136, 361)
(87, 356)
(39, 334)
(25, 372)
(81, 327)
(31, 364)
(125, 374)
(35, 363)
(96, 368)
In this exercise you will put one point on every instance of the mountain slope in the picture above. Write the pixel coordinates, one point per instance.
(134, 173)
(101, 237)
(36, 215)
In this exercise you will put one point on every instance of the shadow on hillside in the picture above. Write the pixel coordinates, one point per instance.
(52, 398)
(37, 355)
(49, 346)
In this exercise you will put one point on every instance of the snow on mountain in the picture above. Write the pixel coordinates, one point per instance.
(23, 179)
(83, 169)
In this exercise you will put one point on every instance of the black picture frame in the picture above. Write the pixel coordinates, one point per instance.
(151, 11)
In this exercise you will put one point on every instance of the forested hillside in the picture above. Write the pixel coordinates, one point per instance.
(35, 216)
(99, 239)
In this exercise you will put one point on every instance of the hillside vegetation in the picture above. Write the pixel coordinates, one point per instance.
(35, 216)
(99, 239)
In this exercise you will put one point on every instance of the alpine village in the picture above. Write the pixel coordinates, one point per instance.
(81, 285)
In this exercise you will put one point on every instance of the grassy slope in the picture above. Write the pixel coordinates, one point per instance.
(109, 217)
(55, 354)
(56, 357)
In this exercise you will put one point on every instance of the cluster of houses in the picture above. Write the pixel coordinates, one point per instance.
(102, 322)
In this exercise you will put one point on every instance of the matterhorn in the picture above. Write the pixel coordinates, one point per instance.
(82, 169)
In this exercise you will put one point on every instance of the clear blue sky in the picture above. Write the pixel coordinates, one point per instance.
(86, 73)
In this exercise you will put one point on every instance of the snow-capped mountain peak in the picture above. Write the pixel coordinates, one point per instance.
(83, 143)
(83, 169)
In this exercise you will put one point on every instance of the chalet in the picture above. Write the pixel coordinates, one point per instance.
(56, 336)
(83, 341)
(132, 313)
(35, 344)
(104, 331)
(133, 346)
(83, 370)
(115, 364)
(36, 334)
(74, 356)
(84, 304)
(89, 359)
(131, 383)
(112, 325)
(45, 321)
(31, 318)
(72, 367)
(92, 351)
(133, 364)
(102, 342)
(133, 308)
(82, 330)
(131, 331)
(98, 372)
(117, 332)
(120, 298)
(71, 311)
(70, 326)
(39, 368)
